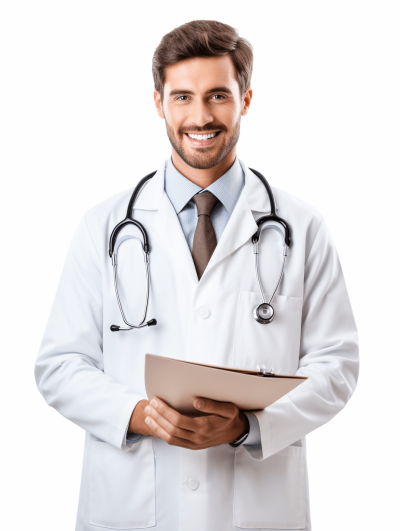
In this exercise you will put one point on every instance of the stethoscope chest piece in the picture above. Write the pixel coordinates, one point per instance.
(263, 313)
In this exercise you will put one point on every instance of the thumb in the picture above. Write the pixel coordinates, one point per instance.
(224, 409)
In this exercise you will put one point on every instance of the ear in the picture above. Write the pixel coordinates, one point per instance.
(248, 95)
(158, 104)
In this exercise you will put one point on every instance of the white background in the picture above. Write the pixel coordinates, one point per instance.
(78, 125)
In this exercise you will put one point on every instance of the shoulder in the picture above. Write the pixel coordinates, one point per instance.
(109, 212)
(116, 203)
(292, 206)
(100, 219)
(304, 219)
(288, 205)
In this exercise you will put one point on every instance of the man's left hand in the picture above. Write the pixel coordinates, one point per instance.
(224, 423)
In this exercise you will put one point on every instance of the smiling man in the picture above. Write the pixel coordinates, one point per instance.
(203, 120)
(200, 218)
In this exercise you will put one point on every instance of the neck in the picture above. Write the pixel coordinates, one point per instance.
(203, 178)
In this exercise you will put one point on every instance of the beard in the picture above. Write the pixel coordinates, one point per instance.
(202, 159)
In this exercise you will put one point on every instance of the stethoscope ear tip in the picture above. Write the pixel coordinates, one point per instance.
(152, 322)
(114, 328)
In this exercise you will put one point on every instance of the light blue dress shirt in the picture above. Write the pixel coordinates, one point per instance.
(227, 189)
(180, 192)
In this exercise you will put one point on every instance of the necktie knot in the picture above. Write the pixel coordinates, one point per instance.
(205, 202)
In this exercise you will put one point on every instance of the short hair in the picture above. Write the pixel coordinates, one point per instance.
(203, 38)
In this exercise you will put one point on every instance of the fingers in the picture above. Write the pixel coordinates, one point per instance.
(219, 425)
(223, 409)
(171, 415)
(161, 433)
(156, 419)
(172, 435)
(193, 433)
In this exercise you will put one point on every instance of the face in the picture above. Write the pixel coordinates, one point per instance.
(202, 107)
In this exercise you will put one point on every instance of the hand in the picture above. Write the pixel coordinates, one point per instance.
(224, 424)
(137, 423)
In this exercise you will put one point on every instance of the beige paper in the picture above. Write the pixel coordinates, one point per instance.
(179, 382)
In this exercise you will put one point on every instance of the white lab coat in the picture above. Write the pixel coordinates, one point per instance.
(95, 377)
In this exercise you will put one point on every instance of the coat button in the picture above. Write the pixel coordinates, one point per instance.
(192, 483)
(203, 312)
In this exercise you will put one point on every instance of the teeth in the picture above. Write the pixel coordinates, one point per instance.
(202, 137)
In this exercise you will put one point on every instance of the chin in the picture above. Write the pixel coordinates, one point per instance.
(202, 162)
(203, 158)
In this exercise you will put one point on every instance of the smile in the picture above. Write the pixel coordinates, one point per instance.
(203, 139)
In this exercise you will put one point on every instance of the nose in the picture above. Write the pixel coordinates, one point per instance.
(200, 113)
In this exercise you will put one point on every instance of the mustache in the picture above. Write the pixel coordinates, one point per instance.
(205, 129)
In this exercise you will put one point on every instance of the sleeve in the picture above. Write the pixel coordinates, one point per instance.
(69, 368)
(328, 354)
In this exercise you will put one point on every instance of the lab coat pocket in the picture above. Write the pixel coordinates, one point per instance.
(275, 345)
(270, 494)
(122, 485)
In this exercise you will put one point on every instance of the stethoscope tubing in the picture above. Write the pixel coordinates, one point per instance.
(141, 324)
(129, 219)
(256, 253)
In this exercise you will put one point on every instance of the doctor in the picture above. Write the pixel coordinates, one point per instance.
(145, 465)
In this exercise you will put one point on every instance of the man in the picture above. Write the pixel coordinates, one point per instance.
(146, 465)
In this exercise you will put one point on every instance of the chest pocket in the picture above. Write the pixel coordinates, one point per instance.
(275, 345)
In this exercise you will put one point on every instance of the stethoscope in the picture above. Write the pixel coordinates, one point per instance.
(263, 313)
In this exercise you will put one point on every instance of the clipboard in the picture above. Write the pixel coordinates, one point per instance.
(179, 382)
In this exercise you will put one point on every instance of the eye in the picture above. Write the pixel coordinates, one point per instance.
(179, 98)
(218, 96)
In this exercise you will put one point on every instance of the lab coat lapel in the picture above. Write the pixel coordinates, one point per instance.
(171, 236)
(166, 226)
(241, 225)
(152, 194)
(257, 197)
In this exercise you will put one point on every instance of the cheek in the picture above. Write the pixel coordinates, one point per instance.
(175, 118)
(228, 114)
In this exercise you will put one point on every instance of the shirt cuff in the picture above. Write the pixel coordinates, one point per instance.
(134, 437)
(254, 437)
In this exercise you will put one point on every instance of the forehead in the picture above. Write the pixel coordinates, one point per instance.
(201, 74)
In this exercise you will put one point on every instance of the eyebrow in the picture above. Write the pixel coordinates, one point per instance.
(216, 89)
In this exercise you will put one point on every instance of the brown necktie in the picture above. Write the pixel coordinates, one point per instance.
(204, 241)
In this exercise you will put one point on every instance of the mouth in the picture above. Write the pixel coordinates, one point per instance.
(205, 139)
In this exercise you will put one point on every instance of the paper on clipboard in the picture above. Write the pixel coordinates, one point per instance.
(179, 382)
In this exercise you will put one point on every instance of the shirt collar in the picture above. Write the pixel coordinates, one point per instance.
(227, 188)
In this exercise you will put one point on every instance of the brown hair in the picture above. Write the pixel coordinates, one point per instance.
(203, 38)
